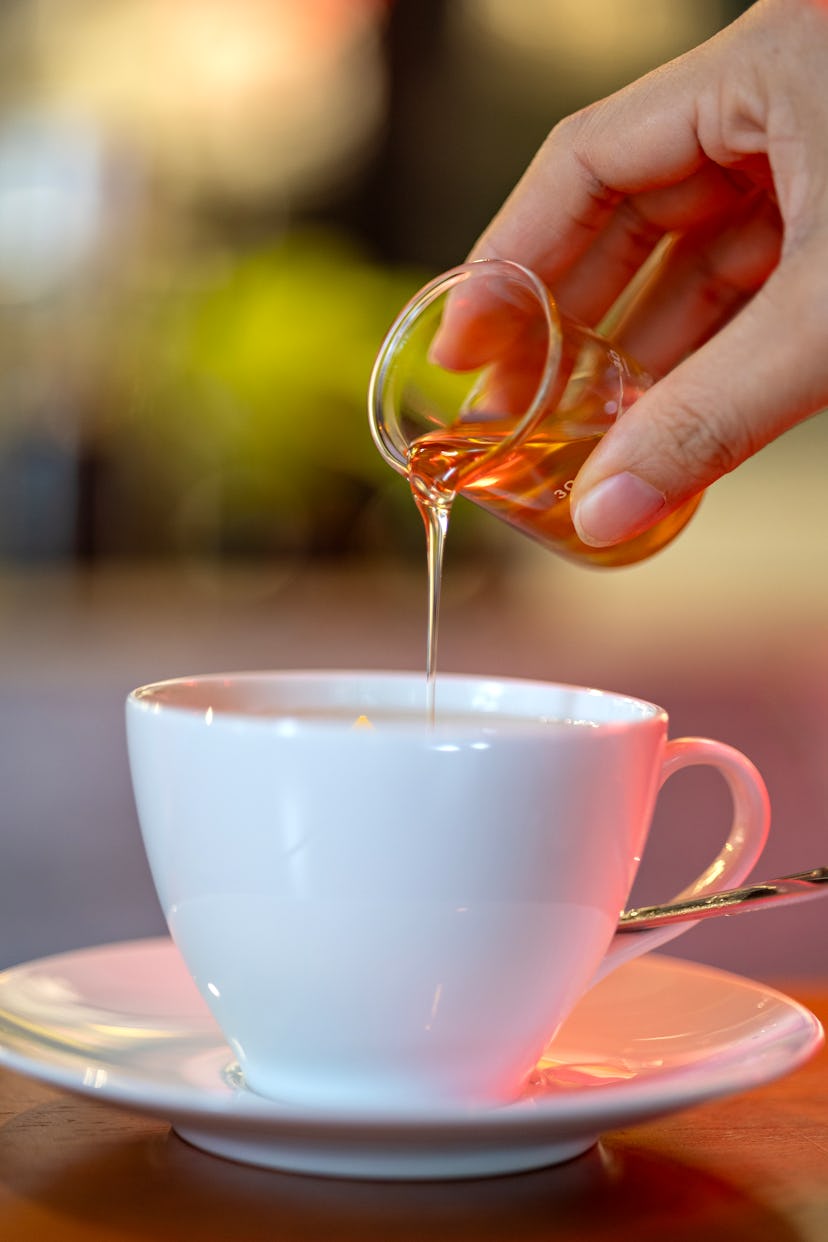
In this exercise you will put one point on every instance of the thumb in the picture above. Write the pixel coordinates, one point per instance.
(762, 373)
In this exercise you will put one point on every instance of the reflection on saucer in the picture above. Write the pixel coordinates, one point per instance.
(552, 1075)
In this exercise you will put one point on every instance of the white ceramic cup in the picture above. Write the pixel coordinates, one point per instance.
(399, 917)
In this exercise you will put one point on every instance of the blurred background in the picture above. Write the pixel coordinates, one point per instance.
(210, 212)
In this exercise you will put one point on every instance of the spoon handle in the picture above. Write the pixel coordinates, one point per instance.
(788, 889)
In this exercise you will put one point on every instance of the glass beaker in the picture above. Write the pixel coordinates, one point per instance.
(482, 388)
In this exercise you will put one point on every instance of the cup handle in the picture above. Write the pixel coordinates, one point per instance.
(748, 833)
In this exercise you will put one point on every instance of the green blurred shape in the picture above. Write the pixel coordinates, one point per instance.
(279, 354)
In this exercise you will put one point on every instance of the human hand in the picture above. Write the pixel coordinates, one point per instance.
(725, 149)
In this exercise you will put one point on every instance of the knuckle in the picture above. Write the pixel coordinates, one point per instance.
(567, 131)
(702, 444)
(573, 136)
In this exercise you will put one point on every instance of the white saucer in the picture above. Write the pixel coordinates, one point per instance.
(124, 1023)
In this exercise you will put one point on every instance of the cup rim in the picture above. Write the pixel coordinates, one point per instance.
(169, 697)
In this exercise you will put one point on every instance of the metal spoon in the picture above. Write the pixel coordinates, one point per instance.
(788, 889)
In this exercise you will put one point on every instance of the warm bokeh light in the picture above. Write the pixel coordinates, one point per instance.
(237, 97)
(589, 41)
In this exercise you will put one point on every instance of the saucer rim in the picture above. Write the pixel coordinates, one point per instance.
(564, 1109)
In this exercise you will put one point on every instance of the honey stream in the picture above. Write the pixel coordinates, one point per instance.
(435, 508)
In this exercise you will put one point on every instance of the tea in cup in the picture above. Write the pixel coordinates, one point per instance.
(387, 915)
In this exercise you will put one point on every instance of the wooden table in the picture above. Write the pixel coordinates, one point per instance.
(752, 1167)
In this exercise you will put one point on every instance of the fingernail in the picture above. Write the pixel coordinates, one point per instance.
(616, 508)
